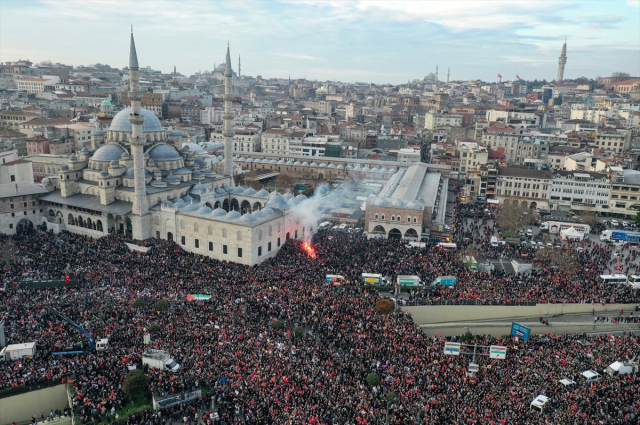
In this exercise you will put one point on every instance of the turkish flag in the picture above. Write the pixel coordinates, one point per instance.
(67, 279)
(517, 76)
(499, 76)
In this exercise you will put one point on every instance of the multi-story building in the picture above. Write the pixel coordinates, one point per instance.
(585, 190)
(246, 140)
(150, 101)
(503, 140)
(408, 155)
(37, 85)
(275, 141)
(19, 206)
(531, 149)
(614, 140)
(433, 120)
(13, 169)
(524, 187)
(37, 145)
(13, 119)
(62, 146)
(625, 192)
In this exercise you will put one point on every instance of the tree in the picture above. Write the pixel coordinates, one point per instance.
(161, 305)
(139, 303)
(558, 100)
(135, 383)
(284, 180)
(470, 251)
(621, 76)
(384, 306)
(512, 218)
(391, 397)
(466, 337)
(278, 324)
(564, 259)
(588, 217)
(8, 251)
(373, 379)
(297, 332)
(154, 328)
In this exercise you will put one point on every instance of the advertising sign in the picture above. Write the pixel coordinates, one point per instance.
(452, 348)
(497, 352)
(520, 331)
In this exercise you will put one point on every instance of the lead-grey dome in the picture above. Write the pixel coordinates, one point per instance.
(193, 147)
(163, 152)
(262, 193)
(108, 153)
(218, 212)
(205, 210)
(232, 214)
(199, 189)
(248, 218)
(220, 191)
(238, 190)
(121, 122)
(249, 192)
(191, 207)
(277, 201)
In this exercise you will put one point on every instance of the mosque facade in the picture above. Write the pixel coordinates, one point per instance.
(144, 181)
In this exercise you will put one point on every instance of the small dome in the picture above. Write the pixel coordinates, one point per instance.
(393, 171)
(130, 173)
(107, 153)
(248, 218)
(167, 204)
(146, 155)
(281, 162)
(273, 161)
(262, 193)
(297, 163)
(250, 160)
(97, 132)
(197, 174)
(85, 149)
(228, 189)
(232, 214)
(241, 159)
(415, 205)
(301, 197)
(164, 152)
(305, 164)
(220, 191)
(104, 173)
(277, 201)
(158, 183)
(323, 165)
(220, 157)
(288, 196)
(171, 178)
(188, 199)
(235, 158)
(198, 189)
(191, 207)
(289, 163)
(46, 181)
(257, 161)
(179, 204)
(218, 212)
(238, 190)
(249, 192)
(357, 168)
(313, 164)
(157, 170)
(384, 170)
(106, 102)
(349, 167)
(175, 133)
(340, 167)
(366, 168)
(151, 161)
(268, 210)
(125, 155)
(64, 167)
(205, 210)
(114, 162)
(259, 213)
(330, 165)
(375, 170)
(201, 162)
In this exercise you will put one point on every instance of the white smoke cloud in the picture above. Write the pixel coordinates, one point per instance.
(309, 211)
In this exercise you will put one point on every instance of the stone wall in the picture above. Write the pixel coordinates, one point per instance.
(21, 407)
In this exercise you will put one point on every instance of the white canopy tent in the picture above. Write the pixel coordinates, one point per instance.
(571, 234)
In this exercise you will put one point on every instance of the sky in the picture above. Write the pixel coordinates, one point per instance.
(365, 41)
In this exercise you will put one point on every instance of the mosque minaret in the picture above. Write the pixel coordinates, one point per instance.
(228, 116)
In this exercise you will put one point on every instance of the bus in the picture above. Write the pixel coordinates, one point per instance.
(614, 279)
(448, 246)
(634, 281)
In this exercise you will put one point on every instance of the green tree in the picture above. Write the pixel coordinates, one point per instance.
(373, 379)
(278, 324)
(161, 305)
(139, 303)
(154, 328)
(135, 383)
(391, 397)
(466, 337)
(297, 332)
(558, 100)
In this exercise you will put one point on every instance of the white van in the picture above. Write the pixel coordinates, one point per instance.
(591, 376)
(323, 225)
(494, 241)
(539, 403)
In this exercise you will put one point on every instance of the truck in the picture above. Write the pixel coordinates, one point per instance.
(159, 359)
(374, 279)
(18, 351)
(334, 279)
(556, 226)
(445, 280)
(622, 368)
(102, 344)
(620, 235)
(409, 281)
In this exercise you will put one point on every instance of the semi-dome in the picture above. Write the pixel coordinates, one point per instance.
(108, 153)
(121, 121)
(163, 152)
(232, 214)
(218, 212)
(262, 193)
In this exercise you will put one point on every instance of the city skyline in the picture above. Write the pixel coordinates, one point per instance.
(355, 41)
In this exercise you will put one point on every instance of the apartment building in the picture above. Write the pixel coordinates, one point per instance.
(611, 139)
(275, 141)
(625, 192)
(434, 120)
(503, 140)
(580, 190)
(523, 186)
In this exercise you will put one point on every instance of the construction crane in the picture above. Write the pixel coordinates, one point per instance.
(72, 350)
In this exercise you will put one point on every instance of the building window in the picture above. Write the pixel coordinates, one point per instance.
(415, 219)
(259, 251)
(408, 219)
(376, 216)
(296, 234)
(183, 240)
(269, 247)
(210, 246)
(393, 218)
(239, 252)
(157, 235)
(278, 242)
(382, 217)
(196, 243)
(13, 178)
(224, 249)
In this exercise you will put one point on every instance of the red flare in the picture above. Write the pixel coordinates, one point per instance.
(309, 249)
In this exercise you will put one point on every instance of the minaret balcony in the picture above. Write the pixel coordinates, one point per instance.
(228, 116)
(136, 119)
(135, 96)
(228, 133)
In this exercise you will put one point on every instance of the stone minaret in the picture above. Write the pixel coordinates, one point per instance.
(239, 69)
(562, 60)
(228, 116)
(448, 71)
(140, 217)
(436, 74)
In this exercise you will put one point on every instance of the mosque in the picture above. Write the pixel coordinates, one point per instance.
(144, 181)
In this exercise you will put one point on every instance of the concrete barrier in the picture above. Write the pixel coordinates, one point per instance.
(466, 313)
(21, 407)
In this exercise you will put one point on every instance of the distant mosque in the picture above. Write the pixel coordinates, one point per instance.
(145, 182)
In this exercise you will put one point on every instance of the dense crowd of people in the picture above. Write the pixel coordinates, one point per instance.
(259, 374)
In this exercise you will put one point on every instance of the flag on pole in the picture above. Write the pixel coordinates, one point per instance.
(499, 76)
(517, 76)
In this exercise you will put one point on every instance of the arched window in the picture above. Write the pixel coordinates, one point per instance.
(195, 227)
(393, 218)
(224, 233)
(408, 219)
(399, 218)
(239, 235)
(182, 224)
(415, 219)
(382, 217)
(376, 216)
(210, 230)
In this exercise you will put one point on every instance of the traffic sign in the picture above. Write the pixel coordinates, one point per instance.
(520, 331)
(452, 348)
(497, 352)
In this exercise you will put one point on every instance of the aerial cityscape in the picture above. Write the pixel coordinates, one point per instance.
(210, 228)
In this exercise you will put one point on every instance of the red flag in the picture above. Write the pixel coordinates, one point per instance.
(67, 279)
(499, 76)
(517, 76)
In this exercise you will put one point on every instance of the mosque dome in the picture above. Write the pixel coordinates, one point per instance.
(281, 162)
(97, 132)
(218, 212)
(158, 183)
(171, 179)
(191, 207)
(340, 167)
(381, 202)
(241, 159)
(248, 218)
(288, 196)
(163, 152)
(415, 205)
(179, 204)
(187, 199)
(198, 189)
(108, 153)
(205, 210)
(167, 204)
(349, 168)
(277, 201)
(257, 161)
(297, 163)
(330, 165)
(121, 122)
(260, 213)
(262, 193)
(104, 173)
(289, 162)
(175, 133)
(64, 167)
(232, 214)
(305, 164)
(268, 210)
(46, 181)
(106, 102)
(238, 190)
(249, 160)
(220, 157)
(220, 191)
(301, 197)
(249, 192)
(228, 189)
(314, 164)
(114, 162)
(196, 174)
(397, 203)
(201, 162)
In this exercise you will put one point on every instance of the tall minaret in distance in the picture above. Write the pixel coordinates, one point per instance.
(140, 210)
(228, 116)
(562, 60)
(239, 69)
(448, 71)
(436, 74)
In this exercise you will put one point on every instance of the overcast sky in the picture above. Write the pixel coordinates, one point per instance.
(370, 41)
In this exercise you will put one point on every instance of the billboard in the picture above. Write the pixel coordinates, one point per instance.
(497, 352)
(520, 331)
(452, 348)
